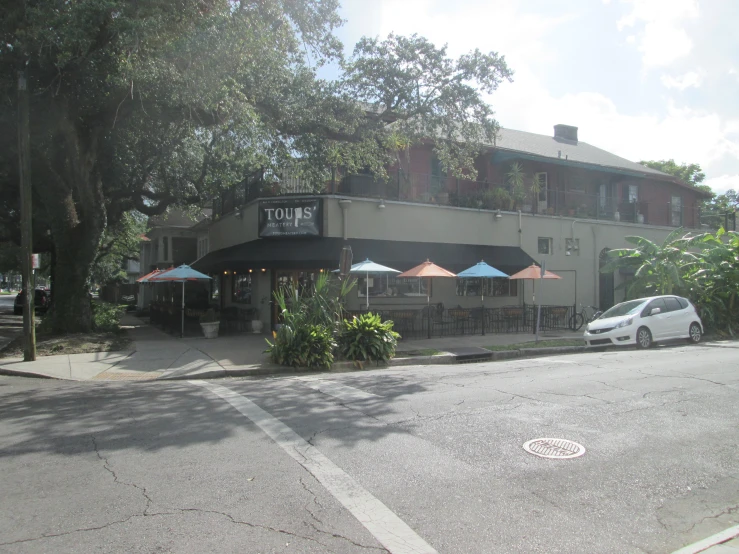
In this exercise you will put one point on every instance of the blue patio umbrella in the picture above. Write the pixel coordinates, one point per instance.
(481, 271)
(180, 274)
(367, 267)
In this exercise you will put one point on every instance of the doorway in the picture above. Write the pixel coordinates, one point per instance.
(303, 280)
(605, 283)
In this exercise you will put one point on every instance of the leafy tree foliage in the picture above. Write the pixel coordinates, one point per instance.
(142, 105)
(691, 174)
(119, 243)
(703, 267)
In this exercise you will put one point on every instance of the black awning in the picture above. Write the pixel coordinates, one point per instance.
(324, 253)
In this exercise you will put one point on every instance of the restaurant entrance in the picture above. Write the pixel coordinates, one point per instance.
(303, 280)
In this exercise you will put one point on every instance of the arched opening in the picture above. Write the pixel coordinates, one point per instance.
(605, 283)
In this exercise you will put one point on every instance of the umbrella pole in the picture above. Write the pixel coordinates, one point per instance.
(428, 306)
(182, 317)
(482, 309)
(366, 282)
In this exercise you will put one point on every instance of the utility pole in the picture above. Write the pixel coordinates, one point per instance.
(24, 166)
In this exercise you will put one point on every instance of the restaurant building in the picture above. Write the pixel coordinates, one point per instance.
(584, 203)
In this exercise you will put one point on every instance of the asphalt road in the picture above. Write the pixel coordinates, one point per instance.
(422, 459)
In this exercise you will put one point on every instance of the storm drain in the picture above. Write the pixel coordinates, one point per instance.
(554, 448)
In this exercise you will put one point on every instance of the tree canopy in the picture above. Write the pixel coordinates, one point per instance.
(691, 174)
(143, 105)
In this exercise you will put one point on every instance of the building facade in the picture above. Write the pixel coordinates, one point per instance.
(584, 202)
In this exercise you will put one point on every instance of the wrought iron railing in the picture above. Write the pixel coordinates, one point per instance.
(466, 193)
(414, 322)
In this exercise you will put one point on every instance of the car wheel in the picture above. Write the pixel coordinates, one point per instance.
(643, 338)
(695, 333)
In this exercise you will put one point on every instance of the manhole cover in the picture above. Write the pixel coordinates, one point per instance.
(554, 448)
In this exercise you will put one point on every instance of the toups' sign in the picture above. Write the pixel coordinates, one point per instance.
(290, 217)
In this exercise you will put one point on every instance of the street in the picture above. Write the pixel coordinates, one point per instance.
(10, 325)
(416, 459)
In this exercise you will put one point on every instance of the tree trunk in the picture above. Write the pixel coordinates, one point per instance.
(74, 201)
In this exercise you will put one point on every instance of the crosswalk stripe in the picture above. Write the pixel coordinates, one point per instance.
(391, 531)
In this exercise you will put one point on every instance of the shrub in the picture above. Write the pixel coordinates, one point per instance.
(209, 316)
(106, 317)
(309, 321)
(498, 199)
(306, 346)
(366, 338)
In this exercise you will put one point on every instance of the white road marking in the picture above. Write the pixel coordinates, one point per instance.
(391, 531)
(713, 540)
(337, 390)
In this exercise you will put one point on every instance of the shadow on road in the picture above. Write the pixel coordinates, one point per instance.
(61, 418)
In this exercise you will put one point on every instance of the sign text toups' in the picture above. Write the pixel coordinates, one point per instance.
(290, 217)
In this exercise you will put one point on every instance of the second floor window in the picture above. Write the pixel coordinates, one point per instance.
(545, 245)
(676, 211)
(632, 194)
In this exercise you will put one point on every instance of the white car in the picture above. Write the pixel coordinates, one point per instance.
(646, 321)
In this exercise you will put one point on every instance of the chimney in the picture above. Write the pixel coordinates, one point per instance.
(565, 132)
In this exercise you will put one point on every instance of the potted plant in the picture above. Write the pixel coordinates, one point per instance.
(209, 323)
(256, 323)
(498, 199)
(515, 182)
(535, 190)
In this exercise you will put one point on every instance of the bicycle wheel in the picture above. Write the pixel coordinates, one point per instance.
(576, 321)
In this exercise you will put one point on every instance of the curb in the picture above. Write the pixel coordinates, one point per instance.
(29, 374)
(337, 367)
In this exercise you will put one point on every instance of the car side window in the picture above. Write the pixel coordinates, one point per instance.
(672, 304)
(683, 303)
(656, 303)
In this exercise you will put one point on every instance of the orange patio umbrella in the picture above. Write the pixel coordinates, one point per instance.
(535, 272)
(427, 270)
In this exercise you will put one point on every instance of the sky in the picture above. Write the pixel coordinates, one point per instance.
(644, 79)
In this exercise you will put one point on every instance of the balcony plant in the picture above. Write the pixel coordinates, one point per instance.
(498, 199)
(535, 190)
(515, 178)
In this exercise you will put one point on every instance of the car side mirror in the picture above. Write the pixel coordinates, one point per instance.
(655, 311)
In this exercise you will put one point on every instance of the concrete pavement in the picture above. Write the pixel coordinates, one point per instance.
(157, 355)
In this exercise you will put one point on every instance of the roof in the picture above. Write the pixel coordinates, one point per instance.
(548, 148)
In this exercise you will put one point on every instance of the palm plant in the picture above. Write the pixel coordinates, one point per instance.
(515, 177)
(658, 268)
(705, 268)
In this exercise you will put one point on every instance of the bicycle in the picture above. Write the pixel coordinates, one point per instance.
(578, 319)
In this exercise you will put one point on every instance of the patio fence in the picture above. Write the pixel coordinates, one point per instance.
(413, 323)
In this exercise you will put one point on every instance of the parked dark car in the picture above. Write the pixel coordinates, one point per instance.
(41, 301)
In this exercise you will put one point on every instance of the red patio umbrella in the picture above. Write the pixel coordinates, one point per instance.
(148, 276)
(427, 270)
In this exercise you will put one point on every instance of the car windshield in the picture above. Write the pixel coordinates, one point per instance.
(625, 308)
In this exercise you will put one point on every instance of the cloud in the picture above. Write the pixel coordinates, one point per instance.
(669, 130)
(722, 183)
(681, 82)
(663, 39)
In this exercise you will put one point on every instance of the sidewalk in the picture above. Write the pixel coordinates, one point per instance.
(158, 355)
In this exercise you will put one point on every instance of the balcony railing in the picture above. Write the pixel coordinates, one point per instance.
(466, 193)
